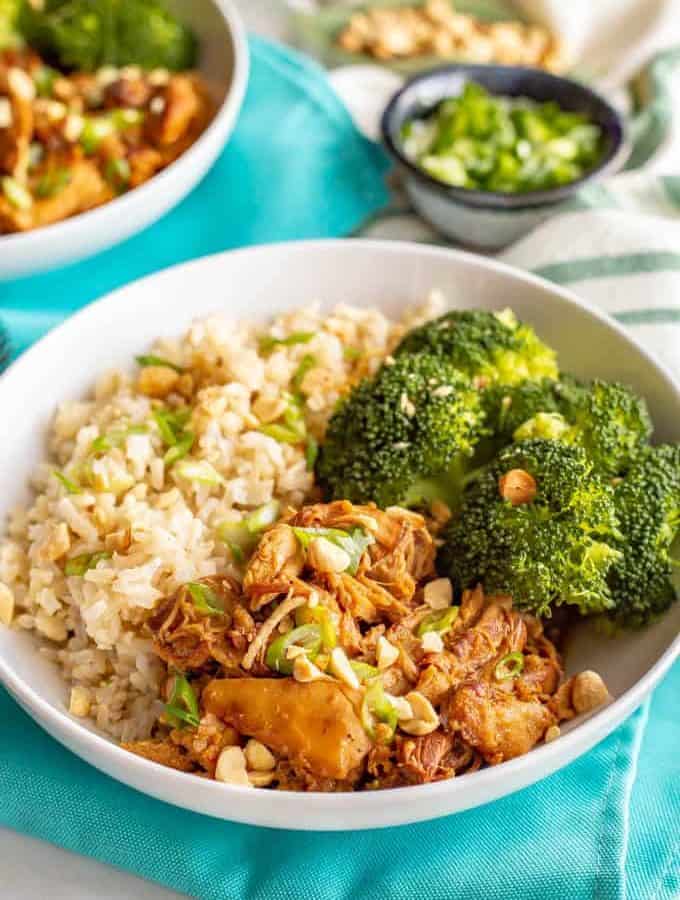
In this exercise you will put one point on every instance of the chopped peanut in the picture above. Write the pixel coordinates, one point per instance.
(258, 757)
(425, 719)
(552, 734)
(517, 486)
(231, 767)
(438, 594)
(157, 381)
(324, 556)
(588, 691)
(340, 667)
(386, 653)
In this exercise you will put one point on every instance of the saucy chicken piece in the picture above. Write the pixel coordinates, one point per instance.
(277, 560)
(499, 630)
(187, 637)
(496, 722)
(16, 125)
(171, 110)
(313, 724)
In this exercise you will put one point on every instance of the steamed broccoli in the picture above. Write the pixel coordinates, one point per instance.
(556, 548)
(403, 437)
(488, 346)
(509, 407)
(87, 34)
(648, 504)
(607, 419)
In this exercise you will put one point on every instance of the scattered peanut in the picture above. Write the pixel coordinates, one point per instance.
(261, 779)
(231, 767)
(80, 702)
(324, 556)
(304, 670)
(386, 653)
(552, 733)
(157, 381)
(431, 642)
(258, 757)
(588, 691)
(425, 719)
(435, 28)
(340, 667)
(517, 486)
(438, 594)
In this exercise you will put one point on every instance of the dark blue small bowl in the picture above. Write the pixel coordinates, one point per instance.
(490, 219)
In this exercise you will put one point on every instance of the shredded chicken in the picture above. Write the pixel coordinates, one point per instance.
(483, 688)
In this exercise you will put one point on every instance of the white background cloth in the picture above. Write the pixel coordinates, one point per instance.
(612, 37)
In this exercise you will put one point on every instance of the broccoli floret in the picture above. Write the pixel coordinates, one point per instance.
(87, 34)
(556, 548)
(492, 347)
(648, 505)
(607, 419)
(404, 436)
(507, 407)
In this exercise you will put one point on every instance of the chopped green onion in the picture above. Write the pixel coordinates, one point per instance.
(71, 486)
(115, 438)
(351, 353)
(262, 517)
(126, 118)
(16, 194)
(267, 342)
(170, 422)
(180, 449)
(307, 362)
(236, 552)
(353, 542)
(200, 471)
(306, 636)
(441, 622)
(182, 707)
(205, 599)
(44, 79)
(94, 131)
(319, 615)
(510, 666)
(311, 452)
(79, 565)
(375, 705)
(281, 433)
(117, 172)
(52, 183)
(363, 671)
(151, 360)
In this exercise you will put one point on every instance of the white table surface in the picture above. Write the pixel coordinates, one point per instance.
(31, 868)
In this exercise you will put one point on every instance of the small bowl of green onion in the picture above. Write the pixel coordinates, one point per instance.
(488, 152)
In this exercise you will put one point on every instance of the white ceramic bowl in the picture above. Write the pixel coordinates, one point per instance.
(255, 283)
(223, 62)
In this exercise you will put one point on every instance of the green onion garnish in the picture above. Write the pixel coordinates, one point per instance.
(126, 118)
(180, 449)
(117, 172)
(510, 666)
(268, 343)
(115, 438)
(182, 707)
(306, 636)
(52, 183)
(170, 422)
(200, 471)
(363, 671)
(262, 517)
(307, 362)
(70, 486)
(351, 353)
(318, 615)
(94, 131)
(79, 565)
(353, 542)
(205, 599)
(441, 622)
(44, 79)
(281, 433)
(152, 360)
(375, 705)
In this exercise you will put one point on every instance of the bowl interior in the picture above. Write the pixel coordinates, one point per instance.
(248, 284)
(420, 95)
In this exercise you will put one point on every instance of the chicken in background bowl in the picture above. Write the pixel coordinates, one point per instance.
(79, 132)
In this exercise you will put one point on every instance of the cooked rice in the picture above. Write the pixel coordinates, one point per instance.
(159, 527)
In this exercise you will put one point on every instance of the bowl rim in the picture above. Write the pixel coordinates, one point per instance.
(498, 201)
(95, 218)
(103, 753)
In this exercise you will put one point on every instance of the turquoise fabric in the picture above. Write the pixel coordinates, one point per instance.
(604, 828)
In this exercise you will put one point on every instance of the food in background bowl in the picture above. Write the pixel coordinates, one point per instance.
(507, 144)
(213, 614)
(436, 29)
(93, 123)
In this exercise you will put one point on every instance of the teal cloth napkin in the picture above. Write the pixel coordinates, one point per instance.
(603, 828)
